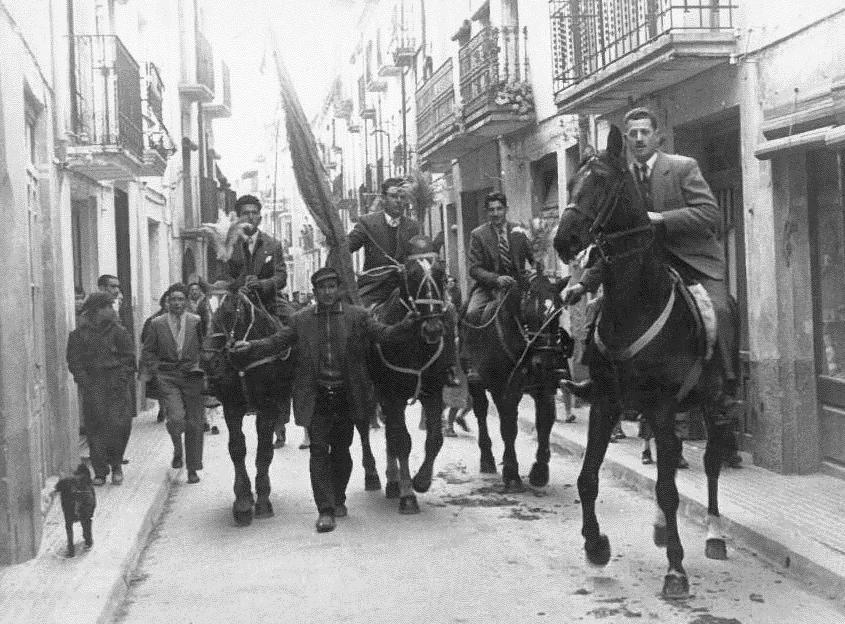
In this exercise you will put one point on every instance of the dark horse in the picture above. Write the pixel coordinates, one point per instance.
(414, 369)
(648, 352)
(243, 383)
(518, 348)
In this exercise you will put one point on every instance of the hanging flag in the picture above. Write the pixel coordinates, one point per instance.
(312, 178)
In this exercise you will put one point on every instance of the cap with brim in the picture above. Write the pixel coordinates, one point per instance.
(326, 273)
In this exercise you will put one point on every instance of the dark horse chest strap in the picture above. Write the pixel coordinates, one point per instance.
(622, 355)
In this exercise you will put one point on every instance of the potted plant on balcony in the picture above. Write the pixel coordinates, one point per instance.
(419, 192)
(516, 96)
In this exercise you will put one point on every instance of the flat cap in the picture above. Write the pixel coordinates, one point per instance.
(323, 274)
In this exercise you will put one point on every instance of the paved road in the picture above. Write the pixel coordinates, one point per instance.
(474, 554)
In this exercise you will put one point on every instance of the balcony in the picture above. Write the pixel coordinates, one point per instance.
(222, 104)
(158, 146)
(495, 90)
(107, 138)
(437, 120)
(608, 52)
(199, 87)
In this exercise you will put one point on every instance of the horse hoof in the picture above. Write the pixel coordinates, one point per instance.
(512, 480)
(391, 490)
(421, 482)
(70, 552)
(659, 535)
(372, 483)
(242, 512)
(408, 505)
(539, 475)
(488, 465)
(263, 509)
(715, 548)
(598, 552)
(675, 586)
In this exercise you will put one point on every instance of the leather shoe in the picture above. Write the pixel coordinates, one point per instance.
(117, 476)
(193, 477)
(325, 523)
(177, 462)
(340, 511)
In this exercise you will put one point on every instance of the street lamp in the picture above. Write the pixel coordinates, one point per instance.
(385, 132)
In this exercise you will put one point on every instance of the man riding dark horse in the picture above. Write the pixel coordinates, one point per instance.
(258, 262)
(688, 222)
(385, 235)
(498, 253)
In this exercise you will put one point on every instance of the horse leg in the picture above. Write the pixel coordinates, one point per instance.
(480, 404)
(372, 482)
(399, 446)
(544, 419)
(391, 473)
(242, 507)
(265, 426)
(432, 409)
(596, 544)
(507, 407)
(676, 583)
(717, 442)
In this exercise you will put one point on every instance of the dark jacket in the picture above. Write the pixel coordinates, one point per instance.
(394, 241)
(267, 263)
(96, 350)
(692, 218)
(159, 354)
(483, 255)
(355, 333)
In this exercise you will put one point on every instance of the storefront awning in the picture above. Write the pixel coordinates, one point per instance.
(803, 140)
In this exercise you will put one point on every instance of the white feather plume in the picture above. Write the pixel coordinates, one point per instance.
(224, 235)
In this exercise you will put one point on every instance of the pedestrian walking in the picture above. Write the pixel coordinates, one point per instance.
(101, 358)
(171, 353)
(331, 388)
(151, 390)
(198, 304)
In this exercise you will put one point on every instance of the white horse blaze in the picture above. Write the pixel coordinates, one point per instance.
(714, 527)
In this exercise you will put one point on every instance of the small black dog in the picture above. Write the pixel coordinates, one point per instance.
(78, 504)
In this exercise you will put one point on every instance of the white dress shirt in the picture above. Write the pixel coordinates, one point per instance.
(391, 221)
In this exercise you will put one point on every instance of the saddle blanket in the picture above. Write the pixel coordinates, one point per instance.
(708, 314)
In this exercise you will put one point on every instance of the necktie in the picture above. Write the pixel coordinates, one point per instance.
(504, 251)
(178, 324)
(644, 184)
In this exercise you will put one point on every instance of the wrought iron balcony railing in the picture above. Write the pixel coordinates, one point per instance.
(493, 62)
(590, 35)
(107, 95)
(436, 105)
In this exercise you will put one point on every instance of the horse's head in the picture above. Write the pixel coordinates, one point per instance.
(604, 204)
(540, 308)
(424, 287)
(540, 300)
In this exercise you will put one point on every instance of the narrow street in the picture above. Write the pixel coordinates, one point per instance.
(474, 554)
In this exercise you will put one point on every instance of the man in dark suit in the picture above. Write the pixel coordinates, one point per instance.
(498, 253)
(171, 354)
(384, 235)
(258, 262)
(688, 223)
(332, 388)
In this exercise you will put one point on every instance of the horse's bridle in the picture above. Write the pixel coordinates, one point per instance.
(604, 241)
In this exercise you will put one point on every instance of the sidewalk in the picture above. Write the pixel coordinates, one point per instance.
(88, 588)
(796, 522)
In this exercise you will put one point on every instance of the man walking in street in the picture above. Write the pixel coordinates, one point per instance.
(110, 285)
(171, 353)
(688, 223)
(332, 388)
(101, 358)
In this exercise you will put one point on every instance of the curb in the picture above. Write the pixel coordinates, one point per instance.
(120, 588)
(815, 576)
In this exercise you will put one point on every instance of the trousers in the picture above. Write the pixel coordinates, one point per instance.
(184, 409)
(331, 430)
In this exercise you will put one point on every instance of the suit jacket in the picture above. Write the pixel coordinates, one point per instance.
(358, 330)
(691, 216)
(159, 354)
(483, 256)
(393, 240)
(267, 263)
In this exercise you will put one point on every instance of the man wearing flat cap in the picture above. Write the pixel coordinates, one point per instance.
(101, 358)
(331, 388)
(259, 261)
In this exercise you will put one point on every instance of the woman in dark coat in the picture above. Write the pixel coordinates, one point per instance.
(101, 357)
